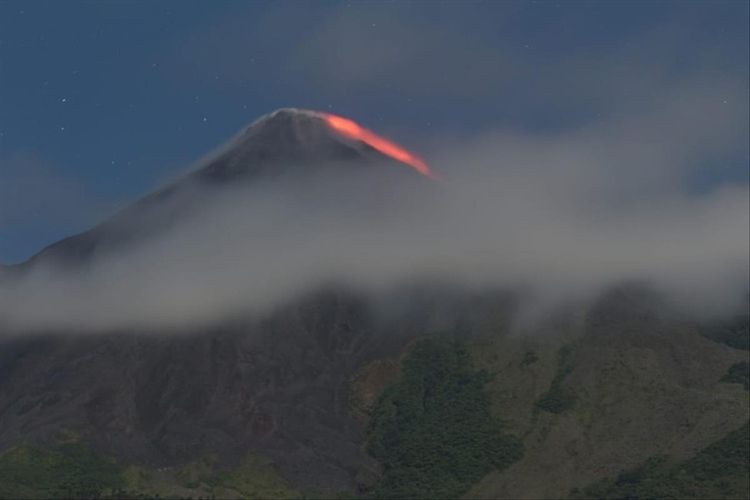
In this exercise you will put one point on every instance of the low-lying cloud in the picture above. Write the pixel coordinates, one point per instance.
(562, 215)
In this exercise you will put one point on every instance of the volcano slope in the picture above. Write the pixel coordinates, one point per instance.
(275, 385)
(324, 396)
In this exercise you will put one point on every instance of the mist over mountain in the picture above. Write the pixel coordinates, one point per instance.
(291, 206)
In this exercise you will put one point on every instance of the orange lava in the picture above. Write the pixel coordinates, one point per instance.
(352, 130)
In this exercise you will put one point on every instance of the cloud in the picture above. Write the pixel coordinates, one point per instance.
(570, 163)
(535, 65)
(343, 52)
(366, 47)
(559, 215)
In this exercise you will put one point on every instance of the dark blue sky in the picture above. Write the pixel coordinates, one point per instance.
(102, 101)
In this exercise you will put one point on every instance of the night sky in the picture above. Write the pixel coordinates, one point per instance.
(102, 102)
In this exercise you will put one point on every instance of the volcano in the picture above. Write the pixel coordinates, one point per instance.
(287, 142)
(327, 396)
(276, 386)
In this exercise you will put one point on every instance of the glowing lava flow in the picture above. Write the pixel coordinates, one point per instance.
(352, 130)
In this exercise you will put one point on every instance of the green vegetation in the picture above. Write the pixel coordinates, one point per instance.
(70, 470)
(734, 333)
(718, 471)
(196, 473)
(432, 430)
(313, 494)
(255, 477)
(738, 373)
(529, 358)
(559, 398)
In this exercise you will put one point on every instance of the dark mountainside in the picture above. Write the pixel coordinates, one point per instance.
(324, 396)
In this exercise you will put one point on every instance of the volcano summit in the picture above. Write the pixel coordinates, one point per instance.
(293, 136)
(288, 142)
